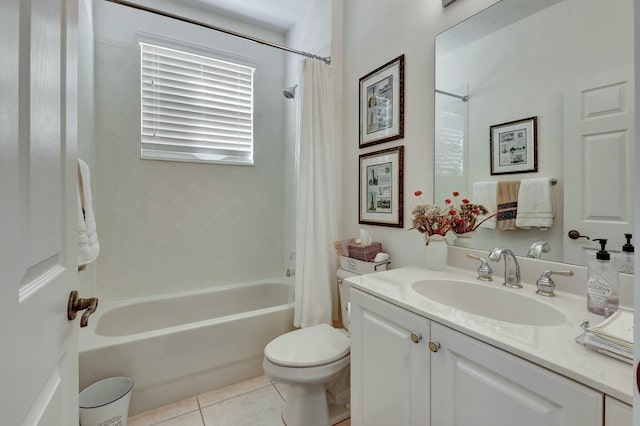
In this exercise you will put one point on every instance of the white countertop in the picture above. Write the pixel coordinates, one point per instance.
(552, 347)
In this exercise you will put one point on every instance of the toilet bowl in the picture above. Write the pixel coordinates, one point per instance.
(314, 363)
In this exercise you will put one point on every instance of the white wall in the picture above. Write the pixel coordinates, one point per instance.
(171, 226)
(522, 71)
(375, 33)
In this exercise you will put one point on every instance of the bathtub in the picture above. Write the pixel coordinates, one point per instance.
(179, 345)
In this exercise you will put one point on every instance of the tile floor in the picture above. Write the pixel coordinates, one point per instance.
(253, 402)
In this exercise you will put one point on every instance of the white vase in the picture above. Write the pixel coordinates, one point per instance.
(437, 249)
(464, 240)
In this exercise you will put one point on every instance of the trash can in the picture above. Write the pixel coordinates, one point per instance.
(106, 403)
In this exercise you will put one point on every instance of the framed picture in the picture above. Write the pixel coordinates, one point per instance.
(382, 104)
(381, 188)
(514, 147)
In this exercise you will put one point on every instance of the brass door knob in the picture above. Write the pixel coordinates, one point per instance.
(416, 337)
(76, 304)
(434, 345)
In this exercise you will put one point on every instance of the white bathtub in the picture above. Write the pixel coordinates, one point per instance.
(179, 345)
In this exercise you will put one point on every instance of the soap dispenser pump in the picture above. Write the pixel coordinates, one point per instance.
(602, 282)
(625, 258)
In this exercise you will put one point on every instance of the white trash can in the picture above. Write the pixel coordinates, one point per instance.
(106, 403)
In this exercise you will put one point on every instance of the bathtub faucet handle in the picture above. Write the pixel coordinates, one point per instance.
(76, 304)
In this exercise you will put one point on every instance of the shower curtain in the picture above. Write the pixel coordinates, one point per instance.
(316, 227)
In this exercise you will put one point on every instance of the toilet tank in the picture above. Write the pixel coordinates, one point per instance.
(344, 289)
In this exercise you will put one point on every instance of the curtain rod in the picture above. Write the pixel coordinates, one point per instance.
(326, 60)
(464, 98)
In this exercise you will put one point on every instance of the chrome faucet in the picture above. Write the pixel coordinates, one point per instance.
(538, 248)
(484, 270)
(546, 286)
(511, 266)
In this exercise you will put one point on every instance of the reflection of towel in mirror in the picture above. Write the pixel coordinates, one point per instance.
(507, 199)
(88, 246)
(486, 194)
(535, 204)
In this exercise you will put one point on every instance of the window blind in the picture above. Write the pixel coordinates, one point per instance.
(195, 108)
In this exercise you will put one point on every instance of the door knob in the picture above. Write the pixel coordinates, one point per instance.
(434, 345)
(416, 337)
(76, 304)
(574, 235)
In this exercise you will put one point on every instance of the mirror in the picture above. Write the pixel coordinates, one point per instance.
(520, 59)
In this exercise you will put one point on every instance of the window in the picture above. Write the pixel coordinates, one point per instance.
(195, 108)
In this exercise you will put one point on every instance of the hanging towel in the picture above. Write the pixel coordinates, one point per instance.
(88, 246)
(486, 194)
(535, 204)
(507, 199)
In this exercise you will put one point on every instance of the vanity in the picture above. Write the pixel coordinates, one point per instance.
(443, 348)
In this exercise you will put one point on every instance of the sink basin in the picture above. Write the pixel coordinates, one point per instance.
(490, 302)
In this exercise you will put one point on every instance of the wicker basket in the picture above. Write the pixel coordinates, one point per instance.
(364, 253)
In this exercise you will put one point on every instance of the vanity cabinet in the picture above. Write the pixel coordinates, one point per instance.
(473, 383)
(389, 364)
(408, 370)
(617, 413)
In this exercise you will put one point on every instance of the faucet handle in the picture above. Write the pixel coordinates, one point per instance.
(546, 286)
(484, 270)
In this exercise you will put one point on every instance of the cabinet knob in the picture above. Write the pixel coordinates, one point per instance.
(434, 345)
(416, 337)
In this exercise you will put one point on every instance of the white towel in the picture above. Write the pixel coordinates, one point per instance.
(535, 204)
(485, 193)
(88, 246)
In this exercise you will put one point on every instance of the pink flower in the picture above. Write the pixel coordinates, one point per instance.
(447, 201)
(417, 193)
(452, 212)
(456, 193)
(465, 201)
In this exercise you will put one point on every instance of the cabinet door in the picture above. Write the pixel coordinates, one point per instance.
(475, 384)
(389, 372)
(617, 413)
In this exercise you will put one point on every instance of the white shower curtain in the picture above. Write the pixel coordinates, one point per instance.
(316, 227)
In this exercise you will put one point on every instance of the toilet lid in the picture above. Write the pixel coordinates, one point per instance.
(312, 346)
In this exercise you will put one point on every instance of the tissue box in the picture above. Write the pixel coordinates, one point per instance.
(364, 253)
(359, 267)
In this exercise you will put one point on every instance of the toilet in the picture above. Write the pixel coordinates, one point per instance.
(314, 363)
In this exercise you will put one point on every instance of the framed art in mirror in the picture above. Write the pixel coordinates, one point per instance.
(514, 147)
(382, 104)
(381, 187)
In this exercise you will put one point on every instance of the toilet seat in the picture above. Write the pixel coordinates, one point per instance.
(308, 347)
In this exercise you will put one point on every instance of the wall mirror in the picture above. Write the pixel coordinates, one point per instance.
(569, 63)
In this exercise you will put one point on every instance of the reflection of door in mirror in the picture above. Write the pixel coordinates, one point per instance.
(519, 59)
(598, 150)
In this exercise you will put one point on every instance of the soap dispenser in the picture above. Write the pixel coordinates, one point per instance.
(625, 258)
(602, 282)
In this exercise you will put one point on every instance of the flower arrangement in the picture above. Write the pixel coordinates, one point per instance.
(459, 218)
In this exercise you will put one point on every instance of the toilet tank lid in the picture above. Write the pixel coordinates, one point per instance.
(343, 273)
(308, 347)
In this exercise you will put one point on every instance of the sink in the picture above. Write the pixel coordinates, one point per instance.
(490, 302)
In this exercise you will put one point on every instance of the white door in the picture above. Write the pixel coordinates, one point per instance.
(474, 384)
(599, 162)
(389, 364)
(38, 79)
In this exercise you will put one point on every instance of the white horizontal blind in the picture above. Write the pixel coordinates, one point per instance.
(195, 108)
